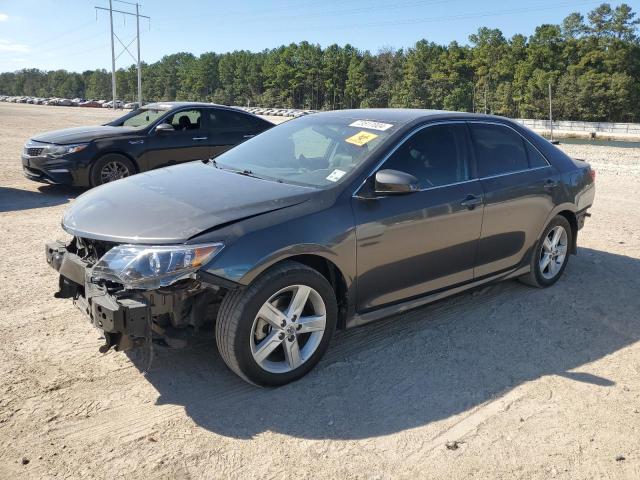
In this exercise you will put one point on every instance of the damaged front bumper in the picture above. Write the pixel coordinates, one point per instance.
(126, 322)
(131, 318)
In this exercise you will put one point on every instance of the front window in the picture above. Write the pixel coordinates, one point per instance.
(436, 156)
(317, 150)
(185, 120)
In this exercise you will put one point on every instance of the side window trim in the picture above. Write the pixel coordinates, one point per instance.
(522, 137)
(409, 135)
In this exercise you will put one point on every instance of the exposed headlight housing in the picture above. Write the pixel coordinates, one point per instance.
(149, 267)
(53, 150)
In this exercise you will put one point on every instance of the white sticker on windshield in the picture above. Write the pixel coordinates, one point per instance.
(371, 125)
(336, 175)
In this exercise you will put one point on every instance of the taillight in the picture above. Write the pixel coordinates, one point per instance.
(592, 172)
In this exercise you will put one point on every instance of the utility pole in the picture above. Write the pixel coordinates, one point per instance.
(485, 98)
(139, 67)
(125, 47)
(113, 57)
(550, 113)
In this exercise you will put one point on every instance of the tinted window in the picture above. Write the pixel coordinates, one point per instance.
(535, 157)
(435, 155)
(498, 149)
(185, 120)
(230, 120)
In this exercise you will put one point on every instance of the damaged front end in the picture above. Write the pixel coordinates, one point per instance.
(138, 294)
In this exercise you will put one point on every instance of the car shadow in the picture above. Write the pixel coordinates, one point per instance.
(15, 199)
(425, 365)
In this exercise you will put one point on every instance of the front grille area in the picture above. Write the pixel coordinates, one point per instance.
(33, 151)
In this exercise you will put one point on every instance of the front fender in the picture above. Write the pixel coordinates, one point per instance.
(256, 244)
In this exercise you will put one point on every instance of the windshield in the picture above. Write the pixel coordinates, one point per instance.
(143, 117)
(317, 150)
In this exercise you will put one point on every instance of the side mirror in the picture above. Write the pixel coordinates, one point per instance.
(395, 182)
(164, 128)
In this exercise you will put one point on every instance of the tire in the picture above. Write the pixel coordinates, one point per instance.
(243, 335)
(559, 254)
(124, 166)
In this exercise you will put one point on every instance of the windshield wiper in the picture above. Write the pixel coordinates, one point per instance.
(245, 172)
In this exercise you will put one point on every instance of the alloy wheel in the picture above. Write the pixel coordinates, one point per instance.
(554, 252)
(113, 171)
(288, 329)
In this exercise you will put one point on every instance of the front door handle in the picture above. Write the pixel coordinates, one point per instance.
(199, 138)
(471, 202)
(550, 183)
(249, 136)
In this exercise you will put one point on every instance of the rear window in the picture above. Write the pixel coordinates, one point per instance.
(230, 120)
(499, 149)
(536, 159)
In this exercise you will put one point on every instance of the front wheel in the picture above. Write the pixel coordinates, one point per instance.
(277, 329)
(111, 167)
(551, 254)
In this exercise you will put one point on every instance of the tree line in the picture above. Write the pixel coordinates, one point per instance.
(592, 64)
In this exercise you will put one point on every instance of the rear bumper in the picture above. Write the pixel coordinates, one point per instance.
(581, 217)
(125, 321)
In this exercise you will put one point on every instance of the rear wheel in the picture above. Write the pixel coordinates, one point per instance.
(551, 254)
(276, 330)
(111, 167)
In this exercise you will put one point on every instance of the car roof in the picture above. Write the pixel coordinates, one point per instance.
(405, 115)
(168, 106)
(172, 105)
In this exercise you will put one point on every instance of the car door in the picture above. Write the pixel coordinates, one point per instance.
(228, 128)
(412, 244)
(186, 142)
(518, 185)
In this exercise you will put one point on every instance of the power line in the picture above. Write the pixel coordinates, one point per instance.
(296, 5)
(62, 34)
(455, 17)
(75, 42)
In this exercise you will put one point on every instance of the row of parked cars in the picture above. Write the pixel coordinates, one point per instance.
(81, 102)
(66, 102)
(278, 112)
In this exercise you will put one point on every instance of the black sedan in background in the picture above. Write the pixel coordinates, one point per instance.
(327, 221)
(156, 135)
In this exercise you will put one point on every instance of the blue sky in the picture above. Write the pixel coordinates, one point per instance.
(51, 34)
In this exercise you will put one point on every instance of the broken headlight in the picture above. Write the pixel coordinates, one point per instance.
(149, 267)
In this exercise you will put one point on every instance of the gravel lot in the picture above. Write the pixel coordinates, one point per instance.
(504, 382)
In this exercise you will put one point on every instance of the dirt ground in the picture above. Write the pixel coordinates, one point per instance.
(504, 382)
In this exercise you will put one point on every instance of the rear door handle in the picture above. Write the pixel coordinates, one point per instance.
(199, 138)
(471, 202)
(249, 136)
(550, 183)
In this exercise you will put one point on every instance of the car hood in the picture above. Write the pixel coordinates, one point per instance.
(82, 134)
(173, 204)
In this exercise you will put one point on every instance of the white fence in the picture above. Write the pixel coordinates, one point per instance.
(584, 127)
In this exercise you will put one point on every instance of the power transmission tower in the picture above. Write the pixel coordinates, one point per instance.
(125, 47)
